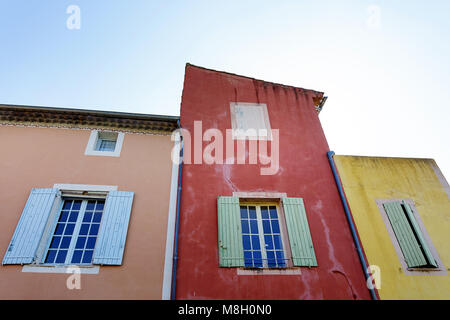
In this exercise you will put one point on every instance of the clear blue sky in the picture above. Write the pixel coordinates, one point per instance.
(385, 65)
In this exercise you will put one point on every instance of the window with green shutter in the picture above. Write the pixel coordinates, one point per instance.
(409, 235)
(264, 234)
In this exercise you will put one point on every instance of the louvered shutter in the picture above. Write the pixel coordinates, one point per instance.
(113, 228)
(30, 228)
(231, 251)
(405, 235)
(298, 230)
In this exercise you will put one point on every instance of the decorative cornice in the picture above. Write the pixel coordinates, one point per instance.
(86, 119)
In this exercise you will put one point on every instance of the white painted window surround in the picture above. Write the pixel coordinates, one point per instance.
(250, 121)
(92, 145)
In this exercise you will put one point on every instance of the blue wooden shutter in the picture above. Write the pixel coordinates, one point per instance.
(30, 228)
(231, 251)
(113, 228)
(299, 235)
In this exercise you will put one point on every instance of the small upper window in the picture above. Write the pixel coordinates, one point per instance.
(250, 121)
(104, 143)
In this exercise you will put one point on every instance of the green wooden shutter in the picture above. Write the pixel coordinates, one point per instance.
(231, 252)
(299, 235)
(405, 234)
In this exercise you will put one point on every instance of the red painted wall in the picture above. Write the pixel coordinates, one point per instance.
(304, 172)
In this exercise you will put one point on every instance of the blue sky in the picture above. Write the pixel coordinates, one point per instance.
(383, 64)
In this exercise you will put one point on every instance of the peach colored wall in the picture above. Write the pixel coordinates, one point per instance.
(40, 157)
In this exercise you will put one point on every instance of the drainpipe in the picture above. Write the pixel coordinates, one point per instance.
(175, 252)
(330, 155)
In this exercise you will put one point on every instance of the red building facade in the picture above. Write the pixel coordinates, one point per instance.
(296, 167)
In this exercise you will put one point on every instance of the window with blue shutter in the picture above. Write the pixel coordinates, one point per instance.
(71, 231)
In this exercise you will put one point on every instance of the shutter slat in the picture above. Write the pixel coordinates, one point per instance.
(113, 228)
(31, 225)
(404, 234)
(231, 252)
(299, 234)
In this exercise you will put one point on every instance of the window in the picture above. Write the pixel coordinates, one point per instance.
(412, 243)
(264, 234)
(261, 236)
(250, 121)
(76, 232)
(104, 143)
(71, 227)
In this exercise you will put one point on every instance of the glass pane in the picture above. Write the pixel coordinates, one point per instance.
(63, 216)
(87, 217)
(277, 242)
(273, 212)
(61, 257)
(246, 242)
(264, 212)
(254, 226)
(266, 226)
(80, 243)
(59, 228)
(255, 243)
(65, 242)
(252, 212)
(84, 229)
(55, 242)
(76, 258)
(73, 216)
(244, 214)
(97, 217)
(275, 226)
(87, 257)
(94, 229)
(50, 256)
(76, 205)
(90, 205)
(268, 241)
(280, 258)
(69, 229)
(100, 205)
(271, 262)
(67, 204)
(245, 228)
(257, 259)
(248, 259)
(91, 243)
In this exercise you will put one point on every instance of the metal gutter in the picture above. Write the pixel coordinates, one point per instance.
(330, 155)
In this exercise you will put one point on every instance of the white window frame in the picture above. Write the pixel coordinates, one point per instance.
(92, 144)
(250, 133)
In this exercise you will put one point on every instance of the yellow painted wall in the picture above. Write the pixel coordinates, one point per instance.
(368, 178)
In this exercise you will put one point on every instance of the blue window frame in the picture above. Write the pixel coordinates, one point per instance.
(262, 237)
(75, 233)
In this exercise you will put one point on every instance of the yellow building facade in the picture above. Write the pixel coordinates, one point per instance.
(372, 185)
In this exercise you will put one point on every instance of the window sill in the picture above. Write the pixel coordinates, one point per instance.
(274, 271)
(60, 269)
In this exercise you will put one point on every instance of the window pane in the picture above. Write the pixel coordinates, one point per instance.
(257, 259)
(268, 241)
(76, 205)
(59, 228)
(277, 242)
(275, 226)
(87, 257)
(97, 217)
(90, 206)
(76, 258)
(91, 242)
(248, 258)
(254, 226)
(63, 216)
(100, 205)
(280, 258)
(245, 228)
(55, 242)
(80, 243)
(61, 257)
(266, 226)
(255, 243)
(244, 214)
(87, 217)
(69, 229)
(94, 229)
(65, 242)
(246, 242)
(273, 212)
(67, 204)
(252, 212)
(50, 256)
(84, 229)
(264, 212)
(271, 259)
(73, 216)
